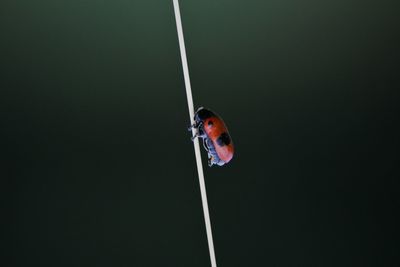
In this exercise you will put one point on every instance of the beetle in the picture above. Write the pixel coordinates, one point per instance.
(216, 138)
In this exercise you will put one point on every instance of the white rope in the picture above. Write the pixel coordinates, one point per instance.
(196, 140)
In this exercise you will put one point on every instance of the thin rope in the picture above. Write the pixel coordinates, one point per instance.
(196, 140)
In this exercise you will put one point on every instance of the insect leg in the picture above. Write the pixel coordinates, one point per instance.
(195, 125)
(205, 145)
(200, 130)
(191, 127)
(195, 136)
(210, 160)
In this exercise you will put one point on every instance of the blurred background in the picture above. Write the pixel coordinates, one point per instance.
(98, 169)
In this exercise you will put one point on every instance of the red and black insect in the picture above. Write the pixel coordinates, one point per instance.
(216, 138)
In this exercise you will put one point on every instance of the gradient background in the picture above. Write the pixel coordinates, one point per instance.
(98, 169)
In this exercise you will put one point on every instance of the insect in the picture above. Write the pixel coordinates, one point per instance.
(216, 139)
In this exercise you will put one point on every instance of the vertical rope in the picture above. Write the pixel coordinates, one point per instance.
(196, 141)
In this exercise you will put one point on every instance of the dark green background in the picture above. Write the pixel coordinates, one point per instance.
(98, 169)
